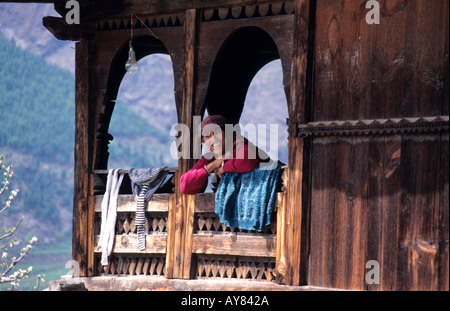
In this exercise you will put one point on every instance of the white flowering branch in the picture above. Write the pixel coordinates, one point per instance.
(7, 275)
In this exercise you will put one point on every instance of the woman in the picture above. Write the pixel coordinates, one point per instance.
(219, 161)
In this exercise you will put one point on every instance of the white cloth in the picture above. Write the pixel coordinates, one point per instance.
(109, 214)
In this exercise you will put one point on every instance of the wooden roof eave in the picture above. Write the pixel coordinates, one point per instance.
(63, 31)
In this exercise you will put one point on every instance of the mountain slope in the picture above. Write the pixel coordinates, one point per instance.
(22, 22)
(37, 136)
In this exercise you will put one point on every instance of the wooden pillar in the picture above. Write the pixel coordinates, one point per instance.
(181, 207)
(292, 249)
(82, 156)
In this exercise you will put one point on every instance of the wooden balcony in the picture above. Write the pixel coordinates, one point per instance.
(217, 252)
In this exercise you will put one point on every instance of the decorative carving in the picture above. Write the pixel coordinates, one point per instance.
(374, 127)
(173, 20)
(210, 222)
(257, 269)
(154, 223)
(124, 265)
(249, 11)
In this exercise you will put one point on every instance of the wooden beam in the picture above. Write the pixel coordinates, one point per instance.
(230, 244)
(171, 237)
(280, 267)
(151, 283)
(204, 203)
(82, 163)
(128, 244)
(91, 10)
(127, 7)
(290, 246)
(234, 244)
(182, 207)
(126, 203)
(62, 31)
(188, 201)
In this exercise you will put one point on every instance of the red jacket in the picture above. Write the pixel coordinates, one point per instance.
(193, 181)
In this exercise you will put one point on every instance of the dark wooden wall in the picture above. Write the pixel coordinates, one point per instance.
(380, 197)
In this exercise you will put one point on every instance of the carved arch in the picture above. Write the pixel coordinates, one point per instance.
(144, 45)
(241, 56)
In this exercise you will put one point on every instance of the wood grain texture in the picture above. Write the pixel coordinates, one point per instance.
(233, 244)
(380, 197)
(81, 218)
(296, 207)
(395, 69)
(182, 207)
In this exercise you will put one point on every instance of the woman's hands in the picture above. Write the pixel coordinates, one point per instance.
(216, 167)
(219, 171)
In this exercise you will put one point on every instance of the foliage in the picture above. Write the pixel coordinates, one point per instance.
(37, 130)
(36, 105)
(7, 272)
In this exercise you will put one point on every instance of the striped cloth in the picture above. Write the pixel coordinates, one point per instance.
(139, 220)
(144, 183)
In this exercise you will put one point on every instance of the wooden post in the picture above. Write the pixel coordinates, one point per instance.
(182, 207)
(80, 241)
(289, 250)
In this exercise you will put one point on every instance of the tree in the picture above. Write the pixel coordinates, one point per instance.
(8, 273)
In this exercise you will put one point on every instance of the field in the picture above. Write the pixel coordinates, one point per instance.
(47, 260)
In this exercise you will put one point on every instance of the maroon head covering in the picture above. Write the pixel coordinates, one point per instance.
(214, 119)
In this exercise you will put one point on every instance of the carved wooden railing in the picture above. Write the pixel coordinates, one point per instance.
(217, 250)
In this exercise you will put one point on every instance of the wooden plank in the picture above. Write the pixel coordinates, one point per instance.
(91, 231)
(419, 214)
(350, 215)
(384, 201)
(280, 267)
(181, 209)
(389, 212)
(170, 224)
(295, 204)
(128, 244)
(188, 202)
(63, 31)
(205, 203)
(126, 203)
(158, 283)
(187, 242)
(234, 244)
(80, 239)
(443, 214)
(322, 212)
(366, 80)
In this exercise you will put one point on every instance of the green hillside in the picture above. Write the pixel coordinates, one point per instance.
(36, 134)
(37, 137)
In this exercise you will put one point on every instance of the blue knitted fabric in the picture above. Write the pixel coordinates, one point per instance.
(246, 201)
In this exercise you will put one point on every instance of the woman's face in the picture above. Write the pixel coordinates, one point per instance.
(215, 142)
